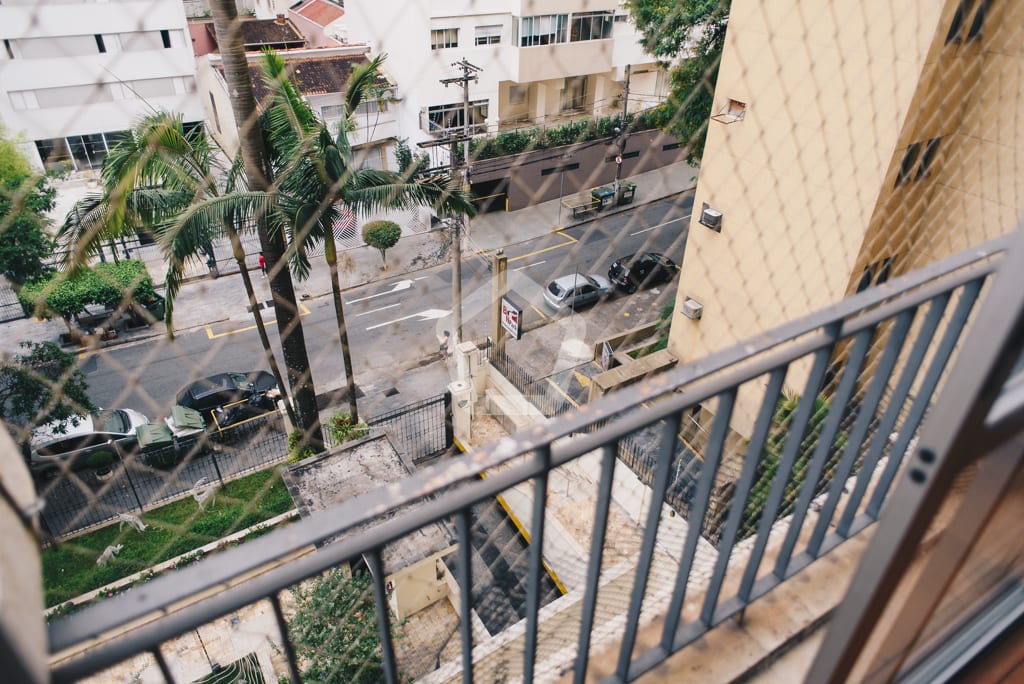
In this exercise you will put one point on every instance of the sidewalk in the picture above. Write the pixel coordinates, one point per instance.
(204, 300)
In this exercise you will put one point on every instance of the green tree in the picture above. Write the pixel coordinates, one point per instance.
(334, 630)
(25, 197)
(688, 35)
(42, 384)
(382, 235)
(67, 294)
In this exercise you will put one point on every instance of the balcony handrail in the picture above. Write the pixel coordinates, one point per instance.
(546, 445)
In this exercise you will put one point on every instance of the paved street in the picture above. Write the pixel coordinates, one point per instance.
(394, 315)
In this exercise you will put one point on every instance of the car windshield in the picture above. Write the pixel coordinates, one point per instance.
(555, 289)
(111, 421)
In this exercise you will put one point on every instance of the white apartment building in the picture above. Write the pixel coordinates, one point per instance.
(539, 60)
(74, 74)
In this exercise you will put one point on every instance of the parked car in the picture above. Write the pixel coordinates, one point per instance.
(85, 441)
(575, 290)
(252, 393)
(645, 269)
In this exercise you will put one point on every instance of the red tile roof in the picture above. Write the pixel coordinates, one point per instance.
(320, 12)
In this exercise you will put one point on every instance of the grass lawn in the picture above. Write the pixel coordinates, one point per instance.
(70, 569)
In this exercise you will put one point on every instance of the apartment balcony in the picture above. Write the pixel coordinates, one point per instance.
(875, 515)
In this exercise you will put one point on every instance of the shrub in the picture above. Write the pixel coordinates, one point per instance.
(341, 428)
(383, 235)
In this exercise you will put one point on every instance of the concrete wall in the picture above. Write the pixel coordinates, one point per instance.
(530, 182)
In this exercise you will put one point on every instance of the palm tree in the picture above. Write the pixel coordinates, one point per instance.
(318, 180)
(149, 178)
(259, 174)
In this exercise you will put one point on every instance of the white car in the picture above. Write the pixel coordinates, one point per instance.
(84, 441)
(575, 291)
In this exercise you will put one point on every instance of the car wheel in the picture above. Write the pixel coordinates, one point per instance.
(631, 288)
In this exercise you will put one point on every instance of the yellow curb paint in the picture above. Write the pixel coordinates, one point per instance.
(303, 311)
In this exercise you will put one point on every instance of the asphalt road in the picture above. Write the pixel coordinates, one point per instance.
(392, 324)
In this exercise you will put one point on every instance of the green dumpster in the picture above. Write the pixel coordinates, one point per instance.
(156, 444)
(604, 196)
(156, 308)
(628, 193)
(187, 418)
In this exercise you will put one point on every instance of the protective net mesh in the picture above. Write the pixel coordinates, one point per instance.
(211, 257)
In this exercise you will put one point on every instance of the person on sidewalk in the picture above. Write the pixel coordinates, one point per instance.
(263, 265)
(443, 339)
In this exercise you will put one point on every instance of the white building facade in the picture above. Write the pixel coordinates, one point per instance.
(75, 74)
(540, 61)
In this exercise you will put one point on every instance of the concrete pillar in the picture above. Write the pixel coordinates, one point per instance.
(462, 411)
(471, 368)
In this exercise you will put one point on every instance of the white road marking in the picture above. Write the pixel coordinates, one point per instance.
(536, 263)
(428, 315)
(398, 287)
(662, 225)
(372, 311)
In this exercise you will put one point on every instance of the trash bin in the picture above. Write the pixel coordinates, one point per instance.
(156, 308)
(628, 193)
(156, 445)
(604, 196)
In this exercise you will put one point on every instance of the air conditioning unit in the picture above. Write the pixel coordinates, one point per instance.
(692, 309)
(711, 218)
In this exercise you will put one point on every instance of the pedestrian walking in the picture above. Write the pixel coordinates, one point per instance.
(443, 339)
(263, 265)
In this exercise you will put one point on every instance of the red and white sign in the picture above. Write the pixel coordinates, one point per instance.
(618, 159)
(511, 318)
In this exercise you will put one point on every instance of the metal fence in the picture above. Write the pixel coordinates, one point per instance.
(137, 482)
(804, 501)
(537, 391)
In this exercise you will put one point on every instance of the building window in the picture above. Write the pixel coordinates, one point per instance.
(574, 93)
(517, 94)
(165, 38)
(100, 45)
(591, 25)
(447, 117)
(967, 10)
(488, 35)
(444, 38)
(907, 165)
(928, 157)
(876, 273)
(7, 46)
(544, 29)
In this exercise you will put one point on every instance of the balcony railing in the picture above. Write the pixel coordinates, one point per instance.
(806, 429)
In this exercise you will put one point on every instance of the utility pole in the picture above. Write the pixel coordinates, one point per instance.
(621, 132)
(469, 73)
(499, 286)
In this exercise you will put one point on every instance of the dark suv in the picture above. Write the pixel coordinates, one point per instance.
(644, 269)
(256, 391)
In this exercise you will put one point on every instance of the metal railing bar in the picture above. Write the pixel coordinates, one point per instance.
(373, 560)
(801, 418)
(161, 662)
(462, 530)
(822, 451)
(289, 647)
(656, 655)
(542, 457)
(662, 470)
(739, 502)
(604, 502)
(865, 414)
(695, 523)
(939, 363)
(936, 310)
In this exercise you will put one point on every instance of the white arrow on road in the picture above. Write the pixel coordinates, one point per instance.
(428, 315)
(398, 287)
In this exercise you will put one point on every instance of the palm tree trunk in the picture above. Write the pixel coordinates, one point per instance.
(331, 254)
(239, 253)
(259, 175)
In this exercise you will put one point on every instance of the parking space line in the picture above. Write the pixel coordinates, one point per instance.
(562, 392)
(662, 225)
(569, 240)
(303, 311)
(539, 312)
